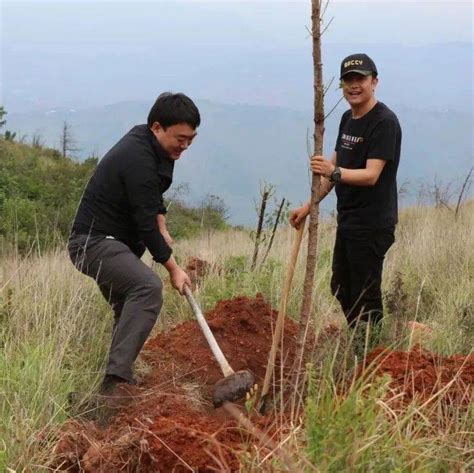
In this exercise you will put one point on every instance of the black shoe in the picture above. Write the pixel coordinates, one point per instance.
(110, 382)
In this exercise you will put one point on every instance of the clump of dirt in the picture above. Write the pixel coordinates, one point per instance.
(169, 424)
(197, 269)
(73, 444)
(420, 374)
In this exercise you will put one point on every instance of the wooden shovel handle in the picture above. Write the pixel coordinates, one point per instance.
(290, 271)
(217, 352)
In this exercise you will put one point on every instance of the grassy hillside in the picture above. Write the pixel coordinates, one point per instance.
(239, 146)
(55, 329)
(40, 191)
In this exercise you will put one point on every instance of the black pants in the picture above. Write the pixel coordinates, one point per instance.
(357, 272)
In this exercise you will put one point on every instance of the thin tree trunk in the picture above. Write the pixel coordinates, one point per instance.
(315, 185)
(274, 229)
(64, 140)
(458, 205)
(263, 205)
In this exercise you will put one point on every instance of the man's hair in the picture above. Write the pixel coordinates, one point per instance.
(171, 109)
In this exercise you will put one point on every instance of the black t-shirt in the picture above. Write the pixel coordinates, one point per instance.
(125, 194)
(376, 135)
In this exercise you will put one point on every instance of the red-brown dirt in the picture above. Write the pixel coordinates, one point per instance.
(243, 330)
(169, 425)
(197, 269)
(420, 374)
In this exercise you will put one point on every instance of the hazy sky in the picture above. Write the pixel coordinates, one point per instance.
(55, 51)
(408, 22)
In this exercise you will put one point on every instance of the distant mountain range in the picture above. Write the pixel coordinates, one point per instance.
(252, 63)
(241, 146)
(42, 77)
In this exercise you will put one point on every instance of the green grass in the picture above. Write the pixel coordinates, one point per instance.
(54, 338)
(55, 331)
(357, 430)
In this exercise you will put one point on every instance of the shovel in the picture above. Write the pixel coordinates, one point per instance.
(235, 384)
(281, 318)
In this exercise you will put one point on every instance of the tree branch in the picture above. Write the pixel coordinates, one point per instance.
(468, 177)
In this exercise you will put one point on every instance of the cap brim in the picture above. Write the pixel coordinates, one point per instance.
(357, 71)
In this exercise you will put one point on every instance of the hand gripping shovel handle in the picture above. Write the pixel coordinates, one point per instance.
(219, 356)
(281, 315)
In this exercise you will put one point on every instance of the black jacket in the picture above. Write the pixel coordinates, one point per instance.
(125, 194)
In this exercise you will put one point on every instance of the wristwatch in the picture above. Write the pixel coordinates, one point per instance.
(336, 175)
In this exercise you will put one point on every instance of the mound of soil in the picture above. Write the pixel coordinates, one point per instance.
(420, 374)
(168, 423)
(242, 328)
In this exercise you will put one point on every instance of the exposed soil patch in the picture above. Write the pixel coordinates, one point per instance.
(243, 330)
(420, 374)
(168, 423)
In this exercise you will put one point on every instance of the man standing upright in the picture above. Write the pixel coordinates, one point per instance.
(363, 169)
(120, 214)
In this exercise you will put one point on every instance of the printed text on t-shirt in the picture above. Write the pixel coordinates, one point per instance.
(348, 141)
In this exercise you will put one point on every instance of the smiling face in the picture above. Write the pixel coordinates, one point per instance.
(175, 139)
(359, 90)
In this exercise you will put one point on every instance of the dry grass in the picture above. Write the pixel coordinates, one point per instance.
(54, 332)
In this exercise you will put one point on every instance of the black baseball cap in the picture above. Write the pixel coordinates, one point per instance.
(359, 63)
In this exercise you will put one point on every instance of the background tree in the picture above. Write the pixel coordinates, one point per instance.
(37, 141)
(267, 222)
(273, 220)
(2, 114)
(266, 192)
(67, 141)
(9, 135)
(214, 212)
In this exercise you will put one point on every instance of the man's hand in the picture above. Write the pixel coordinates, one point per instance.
(179, 279)
(177, 275)
(297, 216)
(322, 166)
(161, 220)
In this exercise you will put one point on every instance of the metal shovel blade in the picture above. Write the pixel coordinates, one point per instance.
(232, 387)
